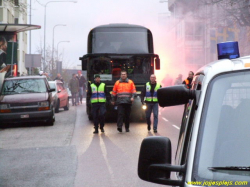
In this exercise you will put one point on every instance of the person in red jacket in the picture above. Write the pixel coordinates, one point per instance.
(123, 92)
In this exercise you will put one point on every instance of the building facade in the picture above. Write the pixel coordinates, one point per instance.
(197, 28)
(15, 12)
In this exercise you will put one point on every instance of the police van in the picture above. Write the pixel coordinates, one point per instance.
(213, 146)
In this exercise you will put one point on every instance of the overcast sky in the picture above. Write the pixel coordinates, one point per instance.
(84, 15)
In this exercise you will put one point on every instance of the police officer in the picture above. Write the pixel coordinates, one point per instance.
(124, 92)
(97, 92)
(149, 93)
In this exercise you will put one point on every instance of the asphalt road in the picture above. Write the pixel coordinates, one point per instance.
(69, 154)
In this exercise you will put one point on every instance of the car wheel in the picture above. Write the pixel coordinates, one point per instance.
(51, 120)
(67, 106)
(57, 106)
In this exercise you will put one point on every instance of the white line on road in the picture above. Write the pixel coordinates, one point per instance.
(176, 127)
(164, 119)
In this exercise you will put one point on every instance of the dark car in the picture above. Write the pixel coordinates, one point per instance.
(26, 99)
(60, 95)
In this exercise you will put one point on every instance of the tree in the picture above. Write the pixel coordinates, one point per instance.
(228, 11)
(22, 7)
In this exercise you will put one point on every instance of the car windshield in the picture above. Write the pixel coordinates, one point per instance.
(52, 85)
(20, 86)
(224, 131)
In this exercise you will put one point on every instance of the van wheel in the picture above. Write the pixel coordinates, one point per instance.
(57, 106)
(67, 106)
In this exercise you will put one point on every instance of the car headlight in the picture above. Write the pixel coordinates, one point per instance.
(44, 105)
(5, 108)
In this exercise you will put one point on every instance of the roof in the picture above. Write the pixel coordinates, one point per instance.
(26, 77)
(4, 27)
(113, 25)
(223, 66)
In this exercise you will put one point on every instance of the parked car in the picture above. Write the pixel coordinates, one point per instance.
(69, 93)
(26, 99)
(60, 95)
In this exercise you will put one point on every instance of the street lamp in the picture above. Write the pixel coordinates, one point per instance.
(57, 48)
(45, 6)
(53, 42)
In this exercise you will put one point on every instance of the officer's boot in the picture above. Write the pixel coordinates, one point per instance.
(96, 130)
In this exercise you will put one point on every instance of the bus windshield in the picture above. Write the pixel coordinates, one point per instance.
(138, 69)
(120, 40)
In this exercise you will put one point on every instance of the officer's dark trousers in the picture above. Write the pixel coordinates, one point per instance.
(98, 112)
(123, 113)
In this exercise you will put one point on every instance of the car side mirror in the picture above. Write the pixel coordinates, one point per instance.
(59, 91)
(52, 89)
(157, 64)
(175, 95)
(155, 161)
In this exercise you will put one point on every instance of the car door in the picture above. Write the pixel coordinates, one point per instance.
(62, 94)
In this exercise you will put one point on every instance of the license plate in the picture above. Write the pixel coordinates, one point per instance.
(25, 116)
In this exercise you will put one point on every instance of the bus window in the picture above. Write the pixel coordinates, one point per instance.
(101, 67)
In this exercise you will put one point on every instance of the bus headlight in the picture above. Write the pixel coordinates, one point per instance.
(144, 107)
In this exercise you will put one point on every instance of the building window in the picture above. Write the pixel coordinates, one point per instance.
(16, 2)
(1, 2)
(23, 56)
(1, 15)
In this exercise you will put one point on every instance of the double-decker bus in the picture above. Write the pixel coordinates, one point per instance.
(116, 47)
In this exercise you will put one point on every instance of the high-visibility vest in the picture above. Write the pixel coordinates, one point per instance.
(98, 94)
(148, 93)
(187, 82)
(124, 89)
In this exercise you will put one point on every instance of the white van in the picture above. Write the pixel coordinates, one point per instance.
(213, 146)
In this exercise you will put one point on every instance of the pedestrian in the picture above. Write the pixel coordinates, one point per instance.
(189, 79)
(149, 96)
(59, 77)
(74, 88)
(98, 93)
(178, 80)
(167, 81)
(82, 82)
(124, 93)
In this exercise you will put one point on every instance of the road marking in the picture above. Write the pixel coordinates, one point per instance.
(164, 119)
(176, 127)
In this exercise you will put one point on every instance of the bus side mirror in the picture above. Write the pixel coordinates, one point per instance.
(157, 64)
(84, 63)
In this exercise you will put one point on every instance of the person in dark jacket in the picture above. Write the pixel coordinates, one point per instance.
(82, 88)
(74, 88)
(98, 93)
(59, 77)
(149, 96)
(188, 80)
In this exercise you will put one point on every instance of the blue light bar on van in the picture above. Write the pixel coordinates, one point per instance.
(228, 50)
